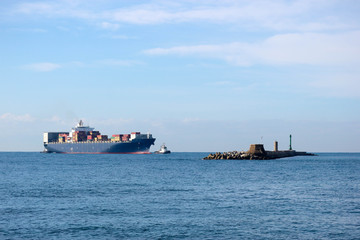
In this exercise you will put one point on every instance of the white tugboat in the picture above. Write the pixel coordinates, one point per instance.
(163, 150)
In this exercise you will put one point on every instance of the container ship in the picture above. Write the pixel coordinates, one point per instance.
(83, 139)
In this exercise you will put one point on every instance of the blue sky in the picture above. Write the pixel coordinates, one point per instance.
(200, 75)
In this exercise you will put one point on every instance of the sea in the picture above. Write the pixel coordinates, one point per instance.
(178, 196)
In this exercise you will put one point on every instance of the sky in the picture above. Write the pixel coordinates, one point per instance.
(201, 76)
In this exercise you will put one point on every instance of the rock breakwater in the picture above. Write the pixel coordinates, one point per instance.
(235, 155)
(256, 152)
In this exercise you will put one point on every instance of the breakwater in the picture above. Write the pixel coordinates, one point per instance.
(256, 152)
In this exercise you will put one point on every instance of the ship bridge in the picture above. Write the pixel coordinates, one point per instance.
(80, 127)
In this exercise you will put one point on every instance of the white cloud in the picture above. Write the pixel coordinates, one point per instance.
(282, 49)
(42, 67)
(17, 118)
(276, 15)
(109, 26)
(35, 8)
(57, 120)
(303, 15)
(55, 9)
(311, 48)
(140, 16)
(48, 67)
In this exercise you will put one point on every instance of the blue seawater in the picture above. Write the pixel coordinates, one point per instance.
(178, 196)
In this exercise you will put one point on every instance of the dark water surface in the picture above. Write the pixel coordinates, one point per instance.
(178, 196)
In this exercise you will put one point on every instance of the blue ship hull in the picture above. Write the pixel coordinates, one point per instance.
(136, 146)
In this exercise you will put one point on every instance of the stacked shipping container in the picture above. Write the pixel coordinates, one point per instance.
(63, 137)
(82, 136)
(125, 137)
(79, 136)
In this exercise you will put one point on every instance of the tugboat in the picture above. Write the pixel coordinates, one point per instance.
(163, 150)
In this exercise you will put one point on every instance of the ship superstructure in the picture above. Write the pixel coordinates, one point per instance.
(83, 139)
